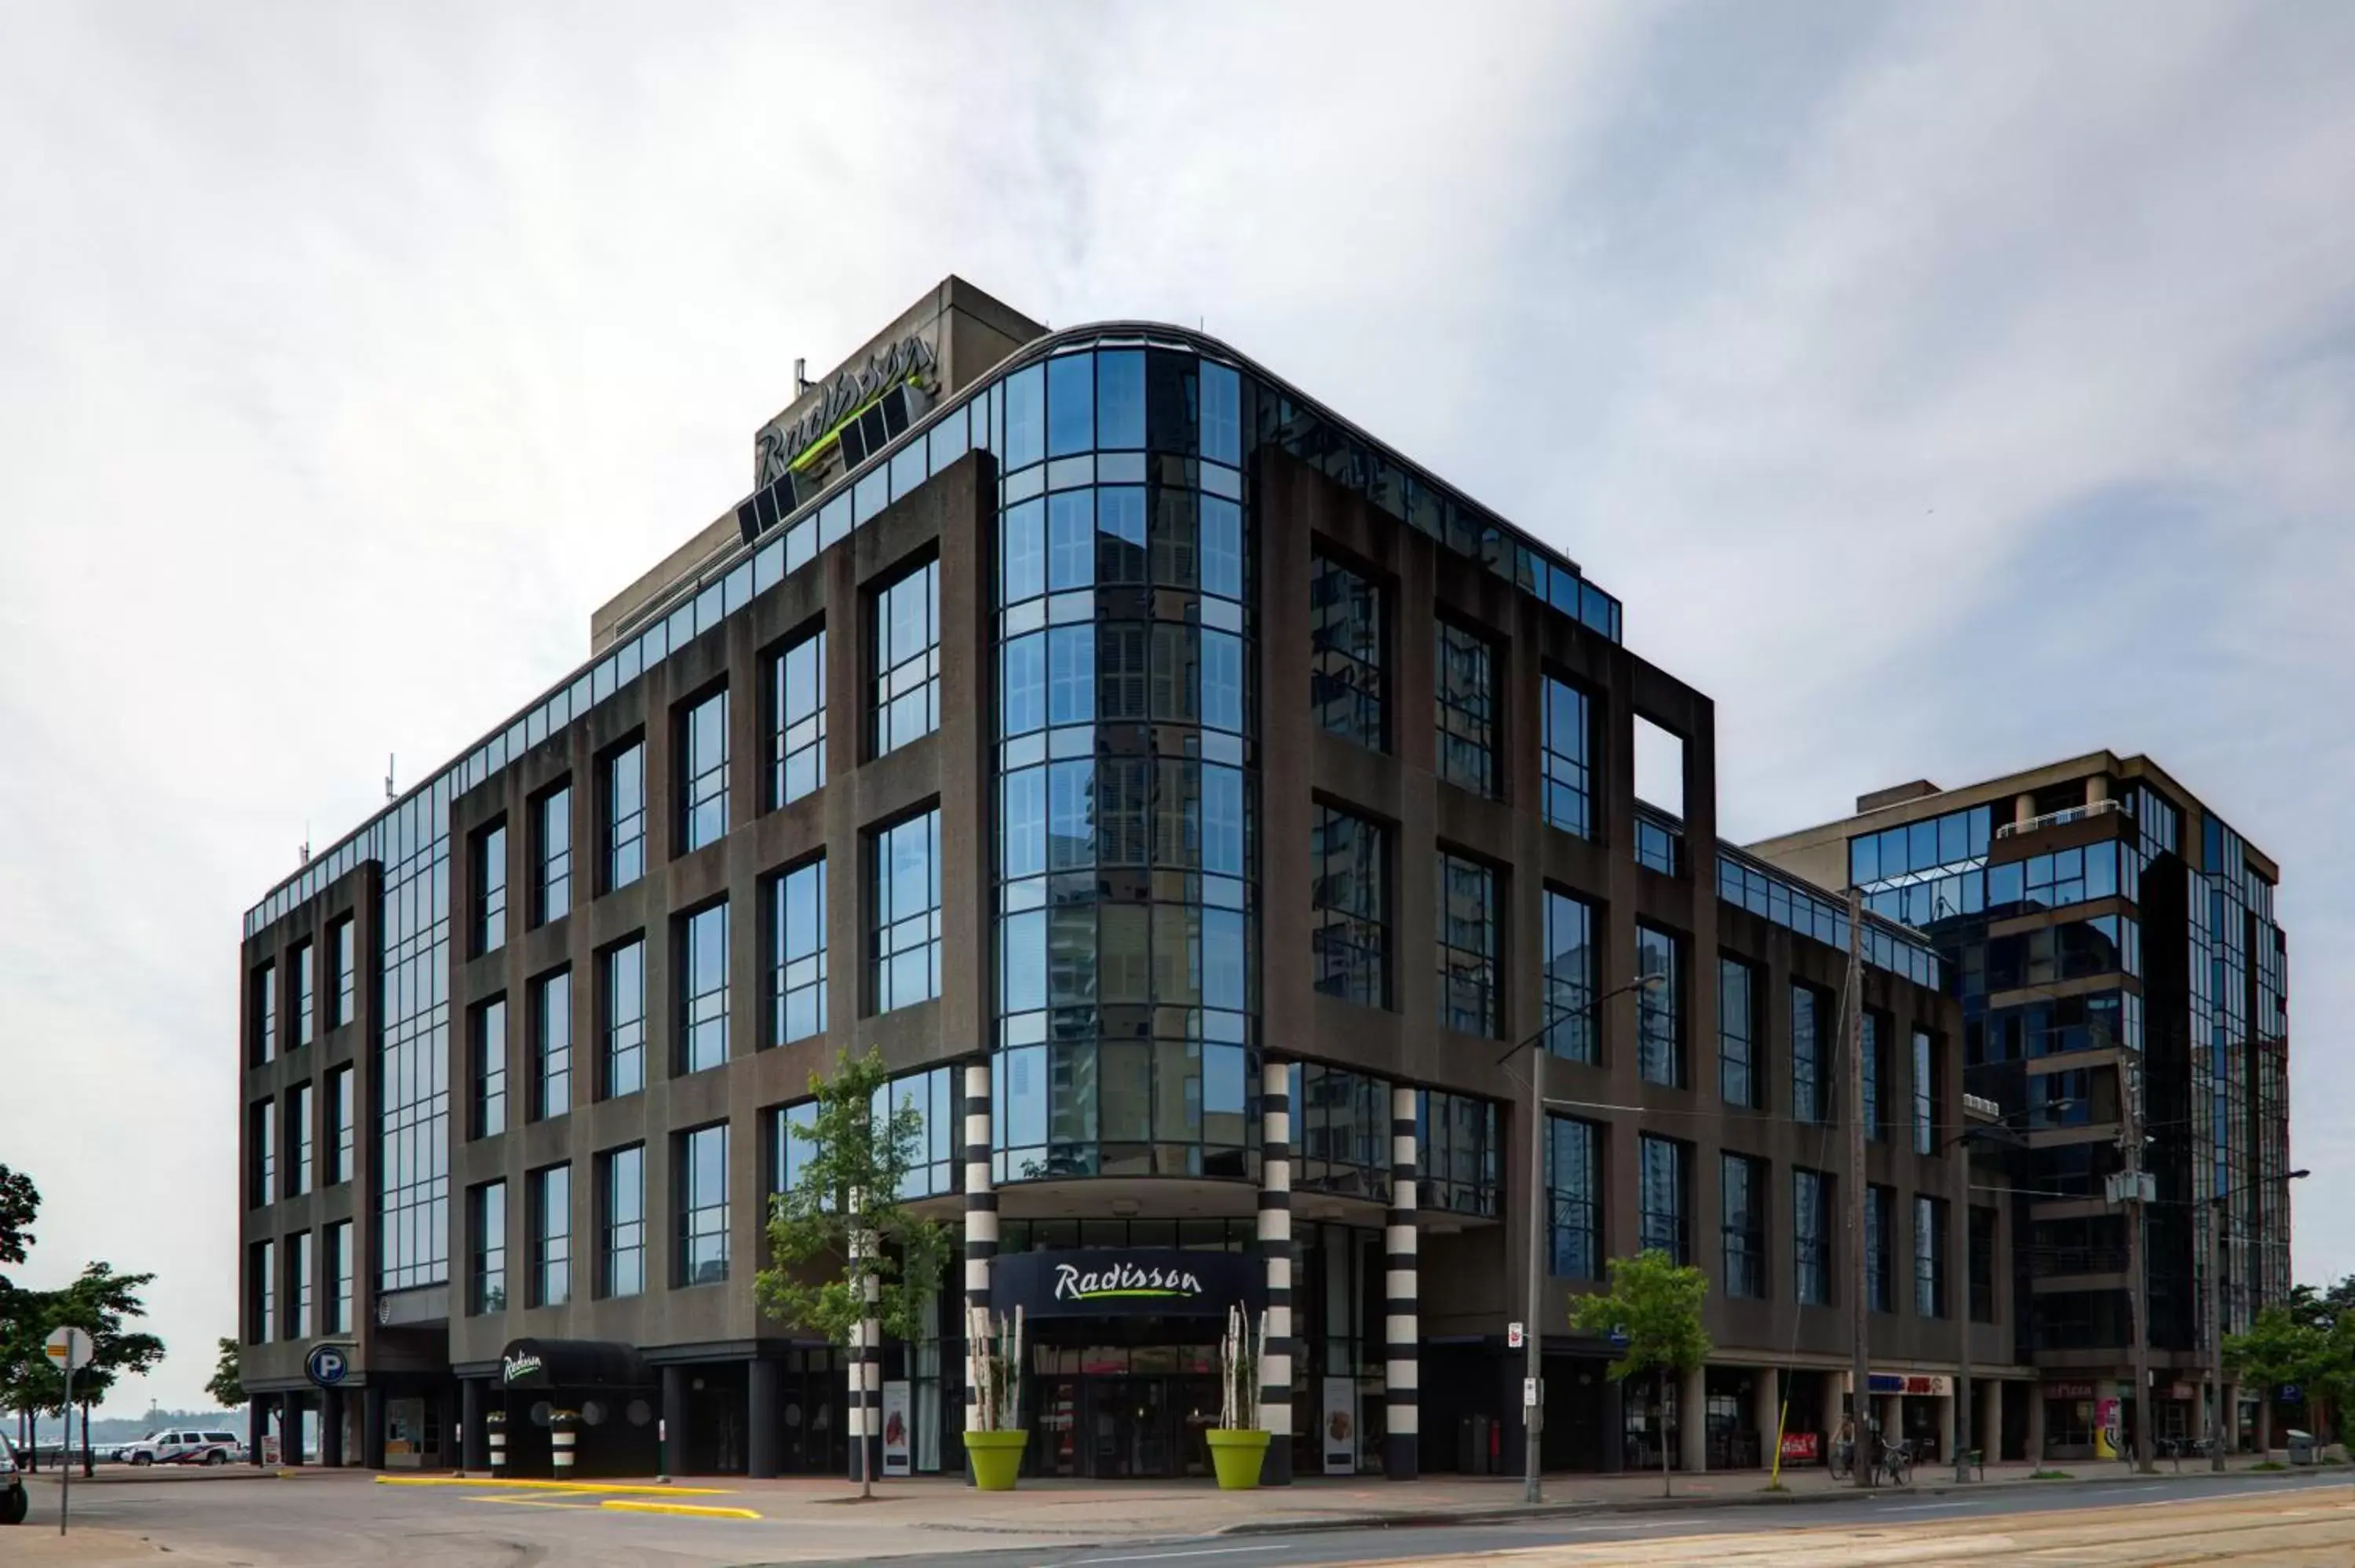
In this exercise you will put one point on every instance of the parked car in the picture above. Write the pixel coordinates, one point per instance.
(13, 1503)
(183, 1446)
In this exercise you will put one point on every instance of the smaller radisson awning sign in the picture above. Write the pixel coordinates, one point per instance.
(1128, 1282)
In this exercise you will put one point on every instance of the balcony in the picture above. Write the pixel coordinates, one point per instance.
(2059, 819)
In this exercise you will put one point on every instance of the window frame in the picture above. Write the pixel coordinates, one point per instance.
(1364, 936)
(702, 818)
(702, 1031)
(622, 818)
(796, 736)
(1484, 964)
(614, 1219)
(698, 1217)
(1465, 727)
(1350, 652)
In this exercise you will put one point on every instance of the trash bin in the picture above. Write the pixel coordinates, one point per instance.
(2301, 1448)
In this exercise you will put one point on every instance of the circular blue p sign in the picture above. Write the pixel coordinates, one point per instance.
(327, 1364)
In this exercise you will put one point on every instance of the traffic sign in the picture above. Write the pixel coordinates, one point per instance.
(69, 1349)
(1618, 1338)
(1513, 1336)
(329, 1365)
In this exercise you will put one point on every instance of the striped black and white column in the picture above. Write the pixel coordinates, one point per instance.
(1275, 1248)
(866, 1359)
(1401, 1366)
(980, 1226)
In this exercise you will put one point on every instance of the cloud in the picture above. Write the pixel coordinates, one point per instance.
(1944, 391)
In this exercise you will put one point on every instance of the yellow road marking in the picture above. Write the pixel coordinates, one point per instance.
(693, 1511)
(533, 1502)
(599, 1488)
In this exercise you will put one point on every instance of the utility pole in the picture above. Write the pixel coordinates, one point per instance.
(1868, 1447)
(2137, 1287)
(1532, 1338)
(2212, 1298)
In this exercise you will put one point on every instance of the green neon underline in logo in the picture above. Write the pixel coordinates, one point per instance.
(1094, 1294)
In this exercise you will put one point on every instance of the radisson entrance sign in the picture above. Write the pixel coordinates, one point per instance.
(1127, 1282)
(779, 443)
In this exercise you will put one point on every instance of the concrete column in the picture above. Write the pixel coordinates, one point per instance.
(1892, 1417)
(257, 1425)
(1614, 1426)
(1692, 1421)
(1988, 1436)
(2035, 1450)
(1767, 1404)
(331, 1429)
(2097, 788)
(980, 1221)
(473, 1437)
(1402, 1368)
(2023, 810)
(1275, 1248)
(674, 1419)
(1946, 1425)
(372, 1426)
(760, 1420)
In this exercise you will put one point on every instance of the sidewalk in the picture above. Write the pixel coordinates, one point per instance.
(1120, 1511)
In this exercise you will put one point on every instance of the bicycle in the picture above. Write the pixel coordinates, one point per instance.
(1840, 1456)
(1897, 1462)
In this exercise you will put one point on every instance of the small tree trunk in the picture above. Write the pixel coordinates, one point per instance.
(88, 1460)
(1668, 1483)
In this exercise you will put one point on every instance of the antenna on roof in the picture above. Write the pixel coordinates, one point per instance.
(388, 778)
(306, 850)
(801, 376)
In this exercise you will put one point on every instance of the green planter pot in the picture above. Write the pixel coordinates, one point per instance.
(997, 1458)
(1237, 1457)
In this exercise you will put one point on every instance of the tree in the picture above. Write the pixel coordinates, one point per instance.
(2279, 1349)
(97, 1303)
(20, 1201)
(844, 1215)
(226, 1386)
(1656, 1302)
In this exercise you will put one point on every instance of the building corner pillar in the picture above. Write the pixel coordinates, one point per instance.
(2035, 1452)
(673, 1432)
(331, 1429)
(1275, 1249)
(1402, 1362)
(372, 1426)
(1947, 1424)
(1768, 1414)
(980, 1230)
(1692, 1421)
(761, 1419)
(1987, 1433)
(473, 1434)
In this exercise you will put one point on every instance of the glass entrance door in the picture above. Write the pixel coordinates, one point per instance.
(1130, 1427)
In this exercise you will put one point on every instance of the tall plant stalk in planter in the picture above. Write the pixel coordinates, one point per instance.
(852, 1263)
(997, 1368)
(1239, 1373)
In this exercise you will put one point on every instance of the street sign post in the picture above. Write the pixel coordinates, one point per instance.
(1618, 1338)
(70, 1350)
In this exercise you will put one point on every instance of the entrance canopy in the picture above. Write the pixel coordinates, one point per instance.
(1126, 1282)
(573, 1363)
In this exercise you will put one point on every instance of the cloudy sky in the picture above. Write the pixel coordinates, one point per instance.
(1945, 389)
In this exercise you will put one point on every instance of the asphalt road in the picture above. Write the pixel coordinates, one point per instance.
(349, 1524)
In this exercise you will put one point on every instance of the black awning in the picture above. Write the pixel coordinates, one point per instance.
(573, 1363)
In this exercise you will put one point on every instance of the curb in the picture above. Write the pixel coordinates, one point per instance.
(593, 1487)
(692, 1510)
(1514, 1513)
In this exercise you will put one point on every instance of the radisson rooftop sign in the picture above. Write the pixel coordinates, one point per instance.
(779, 443)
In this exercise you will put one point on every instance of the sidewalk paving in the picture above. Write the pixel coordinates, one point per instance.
(1124, 1510)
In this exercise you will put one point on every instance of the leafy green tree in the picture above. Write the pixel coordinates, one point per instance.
(226, 1386)
(99, 1303)
(20, 1202)
(1656, 1303)
(2278, 1349)
(841, 1232)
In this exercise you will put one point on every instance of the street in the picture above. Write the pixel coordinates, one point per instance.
(334, 1522)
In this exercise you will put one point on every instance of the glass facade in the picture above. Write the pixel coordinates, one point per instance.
(1926, 1137)
(490, 874)
(342, 985)
(621, 1220)
(549, 1195)
(1570, 977)
(701, 1188)
(1664, 1210)
(412, 1089)
(1457, 1144)
(905, 966)
(299, 1138)
(625, 816)
(488, 1030)
(1739, 1041)
(1660, 1010)
(1468, 709)
(551, 1045)
(302, 959)
(906, 705)
(337, 1319)
(1880, 1248)
(1743, 1192)
(625, 1019)
(486, 1275)
(1468, 945)
(1574, 1185)
(1348, 676)
(341, 1131)
(1566, 759)
(703, 772)
(1349, 907)
(703, 990)
(1929, 1258)
(1876, 1052)
(798, 953)
(1811, 1233)
(552, 855)
(797, 719)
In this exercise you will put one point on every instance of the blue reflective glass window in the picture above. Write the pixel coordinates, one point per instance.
(949, 439)
(1023, 547)
(1920, 845)
(1071, 404)
(1893, 850)
(1222, 959)
(1070, 674)
(872, 493)
(1070, 539)
(907, 468)
(1222, 548)
(1071, 815)
(703, 1012)
(1954, 837)
(1222, 414)
(1022, 831)
(1120, 398)
(1222, 821)
(1120, 534)
(1223, 680)
(1864, 859)
(834, 520)
(1026, 423)
(798, 954)
(1022, 700)
(2100, 871)
(1023, 941)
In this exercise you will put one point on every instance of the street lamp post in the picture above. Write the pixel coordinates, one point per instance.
(1532, 1335)
(2209, 1247)
(1959, 1146)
